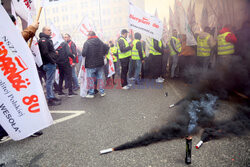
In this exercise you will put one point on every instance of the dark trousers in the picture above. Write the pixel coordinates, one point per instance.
(156, 66)
(124, 65)
(65, 71)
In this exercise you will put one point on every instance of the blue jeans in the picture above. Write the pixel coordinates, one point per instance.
(175, 59)
(74, 78)
(50, 70)
(131, 68)
(93, 75)
(138, 64)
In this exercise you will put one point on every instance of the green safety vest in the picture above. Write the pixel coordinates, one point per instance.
(113, 51)
(152, 49)
(203, 49)
(224, 47)
(126, 54)
(135, 53)
(177, 44)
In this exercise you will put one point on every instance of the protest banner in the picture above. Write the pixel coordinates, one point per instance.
(56, 36)
(23, 107)
(144, 23)
(83, 79)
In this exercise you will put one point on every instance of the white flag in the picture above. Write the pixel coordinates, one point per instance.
(111, 64)
(144, 23)
(57, 76)
(85, 26)
(83, 79)
(36, 52)
(190, 37)
(24, 8)
(23, 107)
(56, 36)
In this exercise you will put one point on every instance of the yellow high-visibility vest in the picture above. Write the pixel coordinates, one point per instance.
(152, 49)
(113, 51)
(177, 44)
(224, 47)
(126, 54)
(135, 53)
(203, 49)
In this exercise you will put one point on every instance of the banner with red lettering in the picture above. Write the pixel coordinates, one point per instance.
(111, 64)
(56, 36)
(36, 52)
(144, 23)
(85, 26)
(24, 8)
(83, 79)
(23, 107)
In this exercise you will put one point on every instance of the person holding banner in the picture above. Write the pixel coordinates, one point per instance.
(49, 57)
(124, 52)
(94, 51)
(138, 56)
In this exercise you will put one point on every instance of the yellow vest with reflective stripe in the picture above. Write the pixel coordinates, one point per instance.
(135, 53)
(177, 44)
(224, 47)
(113, 51)
(203, 49)
(126, 54)
(152, 49)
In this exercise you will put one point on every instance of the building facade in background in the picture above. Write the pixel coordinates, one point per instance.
(107, 16)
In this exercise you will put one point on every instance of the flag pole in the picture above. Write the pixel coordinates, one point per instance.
(37, 19)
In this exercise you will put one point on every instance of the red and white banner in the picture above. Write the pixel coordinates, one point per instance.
(36, 52)
(144, 23)
(24, 8)
(56, 36)
(85, 26)
(23, 107)
(83, 79)
(111, 64)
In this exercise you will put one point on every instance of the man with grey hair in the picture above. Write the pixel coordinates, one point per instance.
(49, 57)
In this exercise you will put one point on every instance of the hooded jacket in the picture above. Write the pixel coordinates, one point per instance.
(94, 50)
(230, 37)
(47, 50)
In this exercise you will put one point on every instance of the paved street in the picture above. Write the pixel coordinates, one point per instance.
(83, 127)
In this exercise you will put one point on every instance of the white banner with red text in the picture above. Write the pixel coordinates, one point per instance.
(83, 79)
(24, 8)
(56, 36)
(23, 107)
(85, 26)
(111, 64)
(144, 23)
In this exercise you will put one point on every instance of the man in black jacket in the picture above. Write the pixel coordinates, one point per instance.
(65, 68)
(49, 56)
(94, 51)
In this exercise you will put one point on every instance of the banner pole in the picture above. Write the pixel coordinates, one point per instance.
(37, 19)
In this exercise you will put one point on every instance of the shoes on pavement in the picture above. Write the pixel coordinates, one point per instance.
(102, 94)
(129, 85)
(158, 80)
(76, 89)
(125, 87)
(90, 96)
(61, 93)
(53, 103)
(131, 79)
(4, 138)
(39, 133)
(56, 99)
(71, 94)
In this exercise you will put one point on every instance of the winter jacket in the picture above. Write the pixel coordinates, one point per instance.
(94, 50)
(122, 46)
(230, 37)
(47, 50)
(63, 54)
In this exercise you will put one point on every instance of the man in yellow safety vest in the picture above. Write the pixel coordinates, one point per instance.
(124, 54)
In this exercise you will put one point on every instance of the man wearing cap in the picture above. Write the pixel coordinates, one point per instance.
(124, 53)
